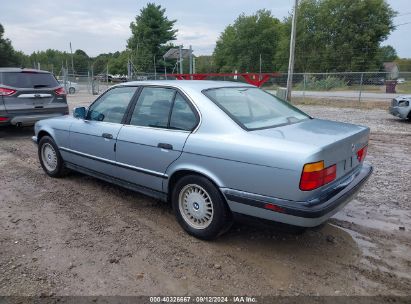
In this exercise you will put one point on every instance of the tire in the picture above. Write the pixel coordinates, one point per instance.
(200, 208)
(50, 157)
(72, 90)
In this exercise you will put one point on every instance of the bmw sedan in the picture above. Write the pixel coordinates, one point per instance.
(215, 150)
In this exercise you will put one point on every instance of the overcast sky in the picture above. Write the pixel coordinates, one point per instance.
(102, 26)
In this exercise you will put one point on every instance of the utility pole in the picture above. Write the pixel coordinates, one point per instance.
(72, 62)
(292, 52)
(165, 67)
(155, 69)
(180, 54)
(191, 62)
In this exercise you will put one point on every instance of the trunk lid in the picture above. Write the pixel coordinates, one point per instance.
(333, 142)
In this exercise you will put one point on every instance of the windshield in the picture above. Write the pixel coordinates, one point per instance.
(253, 108)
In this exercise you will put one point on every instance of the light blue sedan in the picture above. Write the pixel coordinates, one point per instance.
(215, 150)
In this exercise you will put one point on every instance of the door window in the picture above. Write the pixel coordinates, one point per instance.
(112, 105)
(182, 116)
(163, 108)
(153, 108)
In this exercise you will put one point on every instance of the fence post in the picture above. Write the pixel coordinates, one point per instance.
(65, 72)
(304, 84)
(88, 81)
(361, 81)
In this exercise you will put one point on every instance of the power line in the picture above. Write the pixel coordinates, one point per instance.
(404, 14)
(402, 23)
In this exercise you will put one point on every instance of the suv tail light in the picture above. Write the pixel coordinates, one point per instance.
(6, 92)
(315, 175)
(361, 153)
(60, 91)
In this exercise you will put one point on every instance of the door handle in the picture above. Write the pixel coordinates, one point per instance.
(107, 135)
(165, 146)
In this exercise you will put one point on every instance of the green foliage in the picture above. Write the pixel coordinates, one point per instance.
(151, 30)
(8, 56)
(340, 35)
(240, 45)
(205, 64)
(386, 54)
(404, 64)
(321, 84)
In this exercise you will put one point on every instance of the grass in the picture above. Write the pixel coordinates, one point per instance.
(341, 103)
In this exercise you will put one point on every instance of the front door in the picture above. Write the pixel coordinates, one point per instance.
(93, 140)
(155, 136)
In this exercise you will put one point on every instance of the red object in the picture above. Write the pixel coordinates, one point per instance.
(361, 153)
(273, 207)
(313, 180)
(251, 78)
(6, 92)
(60, 91)
(3, 118)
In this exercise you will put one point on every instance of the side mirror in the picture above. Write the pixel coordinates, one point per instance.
(80, 112)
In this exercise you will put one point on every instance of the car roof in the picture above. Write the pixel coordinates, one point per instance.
(22, 70)
(189, 84)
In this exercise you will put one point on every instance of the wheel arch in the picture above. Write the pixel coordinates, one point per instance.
(181, 172)
(43, 133)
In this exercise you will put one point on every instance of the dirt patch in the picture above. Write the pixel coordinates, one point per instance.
(81, 236)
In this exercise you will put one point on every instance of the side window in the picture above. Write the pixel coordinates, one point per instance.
(112, 105)
(153, 107)
(182, 116)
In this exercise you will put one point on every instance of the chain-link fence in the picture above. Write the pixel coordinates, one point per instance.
(344, 86)
(83, 82)
(353, 86)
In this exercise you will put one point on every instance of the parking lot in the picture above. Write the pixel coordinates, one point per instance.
(81, 236)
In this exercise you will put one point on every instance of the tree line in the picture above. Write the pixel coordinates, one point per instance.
(332, 36)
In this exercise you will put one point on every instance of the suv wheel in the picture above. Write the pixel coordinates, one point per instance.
(199, 207)
(72, 90)
(50, 158)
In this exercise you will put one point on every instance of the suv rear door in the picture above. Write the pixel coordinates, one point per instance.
(35, 93)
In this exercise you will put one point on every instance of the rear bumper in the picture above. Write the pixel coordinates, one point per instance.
(401, 112)
(28, 120)
(304, 214)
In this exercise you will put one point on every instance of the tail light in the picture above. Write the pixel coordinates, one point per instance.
(361, 153)
(3, 119)
(60, 91)
(6, 92)
(315, 175)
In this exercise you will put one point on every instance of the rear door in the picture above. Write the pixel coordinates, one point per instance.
(36, 92)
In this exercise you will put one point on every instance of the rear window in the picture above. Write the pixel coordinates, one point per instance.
(29, 80)
(253, 108)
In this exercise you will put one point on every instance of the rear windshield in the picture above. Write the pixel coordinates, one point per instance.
(29, 80)
(254, 109)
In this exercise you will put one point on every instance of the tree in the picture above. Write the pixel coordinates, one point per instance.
(339, 35)
(404, 64)
(386, 54)
(150, 31)
(81, 62)
(240, 45)
(205, 64)
(8, 56)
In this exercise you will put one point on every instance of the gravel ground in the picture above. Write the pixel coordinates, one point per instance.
(82, 236)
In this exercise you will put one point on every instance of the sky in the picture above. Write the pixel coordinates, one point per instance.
(102, 26)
